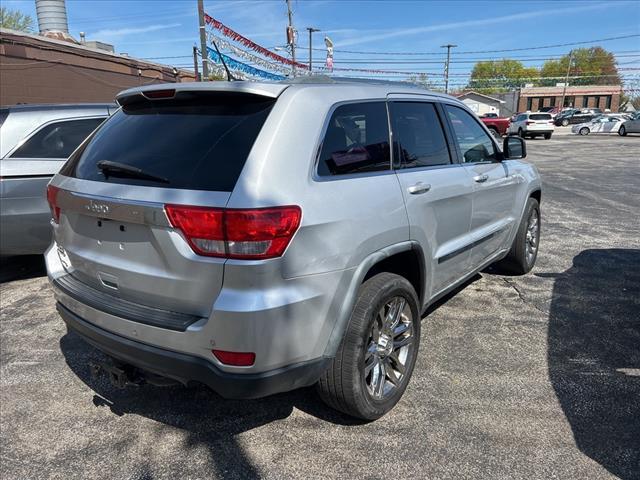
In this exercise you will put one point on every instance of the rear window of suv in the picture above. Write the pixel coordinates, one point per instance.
(540, 116)
(196, 141)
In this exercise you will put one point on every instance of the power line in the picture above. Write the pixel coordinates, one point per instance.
(493, 51)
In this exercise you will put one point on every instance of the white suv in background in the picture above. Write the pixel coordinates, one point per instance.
(532, 124)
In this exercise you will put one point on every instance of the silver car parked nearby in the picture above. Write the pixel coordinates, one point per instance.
(630, 126)
(35, 141)
(261, 237)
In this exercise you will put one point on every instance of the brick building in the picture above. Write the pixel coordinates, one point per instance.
(38, 69)
(584, 96)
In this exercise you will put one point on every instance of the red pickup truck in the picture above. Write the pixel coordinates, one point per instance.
(497, 125)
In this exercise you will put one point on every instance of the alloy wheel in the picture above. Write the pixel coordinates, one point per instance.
(533, 236)
(389, 348)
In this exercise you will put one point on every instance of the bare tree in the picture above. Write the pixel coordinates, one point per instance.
(15, 20)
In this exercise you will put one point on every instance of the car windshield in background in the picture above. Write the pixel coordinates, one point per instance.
(540, 116)
(196, 142)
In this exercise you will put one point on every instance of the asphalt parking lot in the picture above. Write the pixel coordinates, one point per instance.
(517, 377)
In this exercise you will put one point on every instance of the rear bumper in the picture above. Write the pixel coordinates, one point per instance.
(187, 368)
(538, 131)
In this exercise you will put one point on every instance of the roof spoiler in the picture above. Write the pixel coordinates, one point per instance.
(166, 91)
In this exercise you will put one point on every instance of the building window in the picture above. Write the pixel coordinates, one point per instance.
(569, 101)
(585, 101)
(608, 102)
(529, 102)
(552, 102)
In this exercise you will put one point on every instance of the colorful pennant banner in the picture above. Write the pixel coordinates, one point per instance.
(234, 64)
(223, 44)
(235, 36)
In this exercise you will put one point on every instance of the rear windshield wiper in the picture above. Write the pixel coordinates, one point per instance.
(117, 169)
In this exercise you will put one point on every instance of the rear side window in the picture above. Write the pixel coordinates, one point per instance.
(540, 116)
(196, 141)
(475, 144)
(58, 139)
(357, 140)
(418, 135)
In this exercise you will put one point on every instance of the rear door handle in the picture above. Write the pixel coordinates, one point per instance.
(419, 188)
(481, 178)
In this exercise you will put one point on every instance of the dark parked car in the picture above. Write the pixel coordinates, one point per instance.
(570, 117)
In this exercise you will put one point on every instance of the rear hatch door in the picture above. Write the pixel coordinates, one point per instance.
(184, 148)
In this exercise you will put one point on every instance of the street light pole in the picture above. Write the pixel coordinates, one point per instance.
(195, 64)
(311, 30)
(203, 42)
(449, 46)
(566, 80)
(291, 38)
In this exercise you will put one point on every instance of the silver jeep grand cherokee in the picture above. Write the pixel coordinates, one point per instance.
(261, 237)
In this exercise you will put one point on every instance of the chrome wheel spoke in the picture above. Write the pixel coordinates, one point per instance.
(403, 342)
(395, 311)
(391, 374)
(396, 363)
(371, 362)
(400, 329)
(380, 380)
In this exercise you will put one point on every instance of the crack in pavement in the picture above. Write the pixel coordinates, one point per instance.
(523, 298)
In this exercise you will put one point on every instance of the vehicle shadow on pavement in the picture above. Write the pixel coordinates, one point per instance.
(207, 418)
(22, 267)
(594, 355)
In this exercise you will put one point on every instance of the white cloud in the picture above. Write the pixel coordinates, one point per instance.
(404, 32)
(122, 32)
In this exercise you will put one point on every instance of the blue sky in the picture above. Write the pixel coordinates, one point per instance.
(169, 28)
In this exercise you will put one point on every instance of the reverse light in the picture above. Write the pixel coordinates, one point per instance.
(52, 198)
(250, 234)
(237, 359)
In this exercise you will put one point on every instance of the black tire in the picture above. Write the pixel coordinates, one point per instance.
(565, 122)
(495, 133)
(521, 133)
(517, 261)
(343, 386)
(547, 136)
(583, 131)
(623, 131)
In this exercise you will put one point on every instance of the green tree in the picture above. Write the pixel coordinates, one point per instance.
(498, 75)
(422, 80)
(15, 20)
(589, 66)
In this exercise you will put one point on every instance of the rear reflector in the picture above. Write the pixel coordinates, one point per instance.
(238, 359)
(249, 234)
(52, 198)
(156, 94)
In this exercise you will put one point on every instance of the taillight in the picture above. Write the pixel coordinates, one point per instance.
(256, 233)
(52, 198)
(238, 359)
(160, 94)
(529, 122)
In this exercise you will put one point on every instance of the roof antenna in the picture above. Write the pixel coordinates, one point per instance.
(230, 78)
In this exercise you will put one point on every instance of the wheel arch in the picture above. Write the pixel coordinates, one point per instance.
(537, 194)
(405, 258)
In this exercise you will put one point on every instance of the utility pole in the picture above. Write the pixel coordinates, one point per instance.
(311, 30)
(291, 38)
(566, 80)
(449, 46)
(203, 41)
(195, 64)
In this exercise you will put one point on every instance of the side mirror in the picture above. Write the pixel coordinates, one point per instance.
(514, 147)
